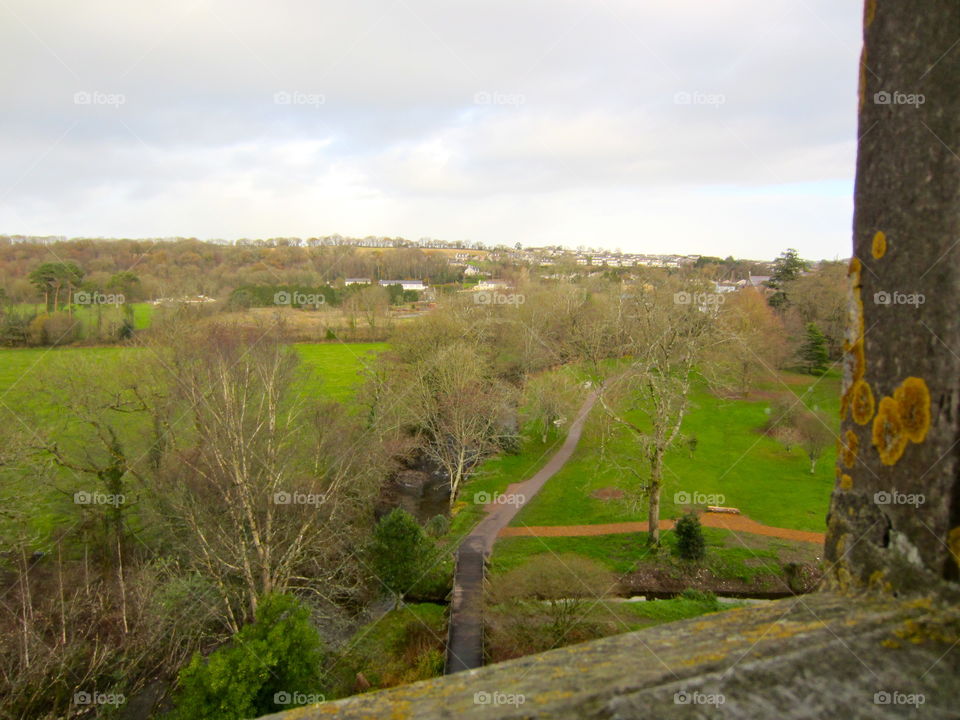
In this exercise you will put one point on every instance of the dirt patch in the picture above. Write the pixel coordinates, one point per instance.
(736, 523)
(607, 493)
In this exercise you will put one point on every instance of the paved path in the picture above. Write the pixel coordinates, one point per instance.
(737, 523)
(465, 630)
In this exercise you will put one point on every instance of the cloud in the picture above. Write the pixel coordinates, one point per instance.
(580, 121)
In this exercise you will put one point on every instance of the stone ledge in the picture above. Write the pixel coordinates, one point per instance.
(819, 655)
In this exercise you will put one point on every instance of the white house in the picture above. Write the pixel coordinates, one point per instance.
(406, 284)
(357, 281)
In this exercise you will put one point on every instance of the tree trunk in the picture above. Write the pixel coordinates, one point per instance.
(653, 517)
(901, 356)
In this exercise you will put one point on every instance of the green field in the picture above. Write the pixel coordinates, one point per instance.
(333, 368)
(142, 313)
(733, 458)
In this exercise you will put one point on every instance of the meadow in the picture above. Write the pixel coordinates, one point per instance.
(733, 461)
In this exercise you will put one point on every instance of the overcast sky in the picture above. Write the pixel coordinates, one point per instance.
(674, 126)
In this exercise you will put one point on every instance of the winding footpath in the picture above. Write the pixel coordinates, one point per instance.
(465, 629)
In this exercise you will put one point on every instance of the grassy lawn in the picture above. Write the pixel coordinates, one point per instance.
(732, 458)
(335, 368)
(142, 313)
(727, 557)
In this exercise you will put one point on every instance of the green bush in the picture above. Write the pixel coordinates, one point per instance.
(399, 552)
(437, 526)
(278, 654)
(690, 542)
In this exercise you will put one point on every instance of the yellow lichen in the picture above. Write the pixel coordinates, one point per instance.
(879, 247)
(859, 361)
(869, 12)
(888, 435)
(913, 398)
(854, 267)
(849, 448)
(953, 542)
(862, 403)
(846, 482)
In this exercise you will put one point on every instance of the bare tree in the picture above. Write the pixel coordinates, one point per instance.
(460, 413)
(665, 343)
(815, 432)
(268, 490)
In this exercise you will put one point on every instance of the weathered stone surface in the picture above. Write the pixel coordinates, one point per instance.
(816, 656)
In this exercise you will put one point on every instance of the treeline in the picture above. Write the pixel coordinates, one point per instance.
(174, 268)
(305, 296)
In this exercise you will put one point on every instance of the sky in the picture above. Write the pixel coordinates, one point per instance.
(684, 126)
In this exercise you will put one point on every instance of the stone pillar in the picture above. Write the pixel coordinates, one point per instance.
(894, 519)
